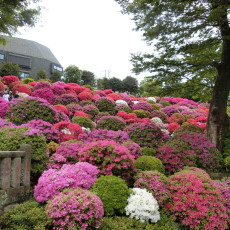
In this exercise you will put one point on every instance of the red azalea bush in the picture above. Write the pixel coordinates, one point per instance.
(114, 96)
(7, 80)
(75, 209)
(32, 84)
(66, 153)
(146, 134)
(156, 183)
(52, 182)
(108, 91)
(2, 87)
(44, 93)
(126, 116)
(85, 96)
(195, 202)
(68, 130)
(61, 108)
(21, 88)
(110, 158)
(173, 126)
(80, 114)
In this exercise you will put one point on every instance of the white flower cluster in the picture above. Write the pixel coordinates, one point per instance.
(151, 99)
(156, 120)
(142, 206)
(121, 102)
(66, 131)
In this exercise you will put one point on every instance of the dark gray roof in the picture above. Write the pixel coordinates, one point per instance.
(28, 48)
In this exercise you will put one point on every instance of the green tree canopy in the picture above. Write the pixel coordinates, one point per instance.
(72, 74)
(15, 14)
(8, 68)
(116, 84)
(190, 41)
(130, 84)
(88, 78)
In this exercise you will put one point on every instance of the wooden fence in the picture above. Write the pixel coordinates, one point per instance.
(14, 177)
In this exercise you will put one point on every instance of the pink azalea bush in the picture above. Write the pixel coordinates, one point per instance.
(52, 182)
(75, 209)
(110, 158)
(44, 93)
(66, 153)
(195, 202)
(4, 105)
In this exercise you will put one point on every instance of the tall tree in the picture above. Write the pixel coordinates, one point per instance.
(72, 74)
(116, 84)
(88, 78)
(15, 14)
(191, 40)
(130, 84)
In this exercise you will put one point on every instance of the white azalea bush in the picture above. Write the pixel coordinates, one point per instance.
(157, 120)
(151, 99)
(121, 102)
(142, 206)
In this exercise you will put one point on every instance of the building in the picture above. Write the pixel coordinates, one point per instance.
(30, 56)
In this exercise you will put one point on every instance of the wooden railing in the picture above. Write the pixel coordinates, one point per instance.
(14, 176)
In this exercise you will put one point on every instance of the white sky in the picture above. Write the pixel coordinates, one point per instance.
(91, 34)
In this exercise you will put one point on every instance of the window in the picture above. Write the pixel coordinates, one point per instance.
(56, 68)
(24, 75)
(2, 56)
(20, 60)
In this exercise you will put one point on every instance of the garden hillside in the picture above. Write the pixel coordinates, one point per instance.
(113, 161)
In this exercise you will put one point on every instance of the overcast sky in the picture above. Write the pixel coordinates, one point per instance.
(91, 34)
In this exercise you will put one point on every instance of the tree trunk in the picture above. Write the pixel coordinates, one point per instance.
(217, 118)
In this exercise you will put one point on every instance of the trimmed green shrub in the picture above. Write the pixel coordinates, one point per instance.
(165, 103)
(83, 122)
(12, 137)
(148, 151)
(27, 80)
(149, 163)
(141, 113)
(111, 123)
(124, 223)
(227, 162)
(113, 192)
(105, 105)
(26, 216)
(124, 108)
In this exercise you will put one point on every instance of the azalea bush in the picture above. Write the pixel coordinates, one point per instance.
(110, 158)
(105, 104)
(146, 134)
(65, 153)
(65, 99)
(196, 202)
(91, 110)
(104, 134)
(52, 182)
(142, 206)
(4, 105)
(23, 110)
(113, 193)
(79, 209)
(85, 122)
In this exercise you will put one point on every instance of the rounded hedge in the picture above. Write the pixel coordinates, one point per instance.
(105, 105)
(85, 122)
(12, 137)
(113, 192)
(111, 123)
(149, 163)
(26, 216)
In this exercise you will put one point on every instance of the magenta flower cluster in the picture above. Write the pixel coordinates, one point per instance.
(195, 202)
(110, 158)
(142, 105)
(75, 209)
(52, 182)
(4, 105)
